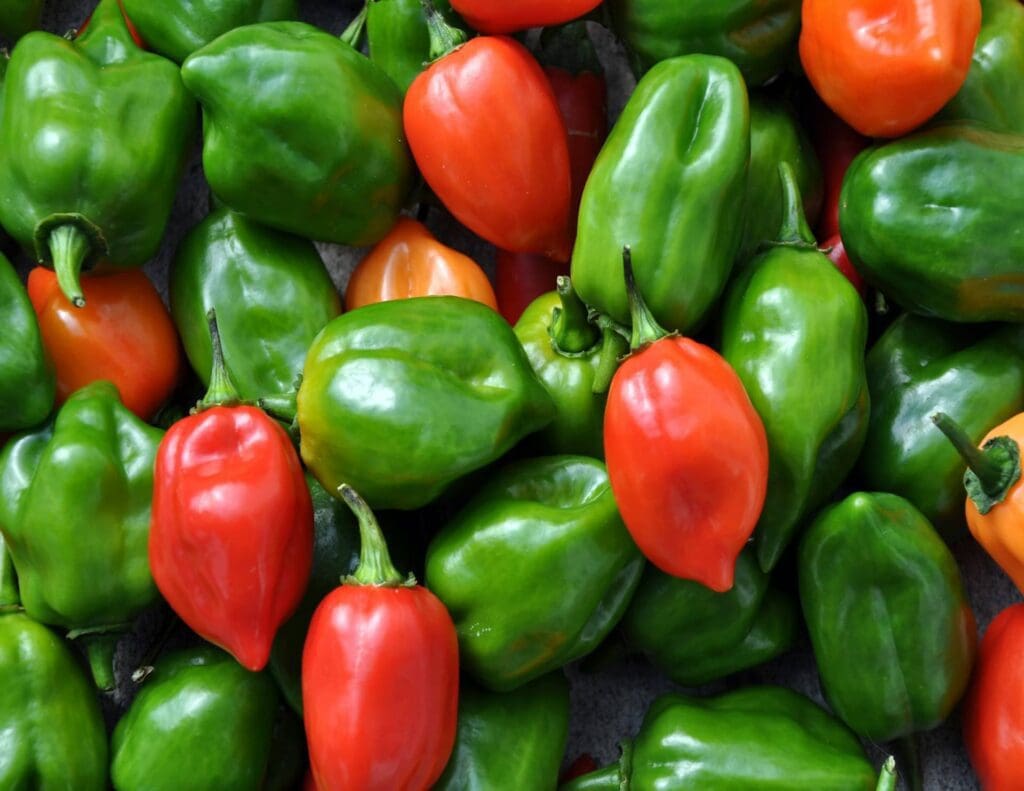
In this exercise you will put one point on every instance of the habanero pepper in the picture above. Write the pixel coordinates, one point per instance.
(398, 37)
(499, 16)
(27, 382)
(837, 145)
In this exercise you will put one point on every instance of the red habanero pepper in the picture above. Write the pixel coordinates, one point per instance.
(380, 676)
(231, 536)
(687, 453)
(837, 255)
(485, 131)
(519, 278)
(503, 16)
(836, 145)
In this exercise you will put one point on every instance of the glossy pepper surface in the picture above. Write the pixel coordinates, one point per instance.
(919, 50)
(496, 16)
(893, 634)
(18, 17)
(27, 382)
(960, 263)
(124, 334)
(380, 676)
(428, 389)
(920, 366)
(272, 294)
(398, 37)
(202, 713)
(837, 145)
(694, 108)
(545, 535)
(794, 330)
(94, 134)
(300, 132)
(752, 738)
(178, 28)
(509, 741)
(756, 35)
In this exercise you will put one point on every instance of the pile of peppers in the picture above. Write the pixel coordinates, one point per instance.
(723, 384)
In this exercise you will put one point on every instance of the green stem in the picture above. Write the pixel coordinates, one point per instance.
(221, 391)
(887, 777)
(795, 231)
(9, 596)
(571, 330)
(646, 329)
(375, 567)
(99, 650)
(353, 35)
(613, 348)
(991, 471)
(70, 248)
(283, 407)
(569, 47)
(606, 778)
(443, 37)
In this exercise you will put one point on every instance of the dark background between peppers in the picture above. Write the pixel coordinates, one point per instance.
(608, 704)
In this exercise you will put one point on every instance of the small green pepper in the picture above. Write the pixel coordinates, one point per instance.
(399, 38)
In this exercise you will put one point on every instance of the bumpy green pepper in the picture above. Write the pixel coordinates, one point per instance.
(27, 384)
(53, 731)
(794, 329)
(670, 183)
(93, 138)
(753, 738)
(426, 390)
(892, 632)
(301, 132)
(18, 17)
(201, 720)
(177, 28)
(696, 635)
(575, 360)
(74, 507)
(759, 36)
(535, 570)
(272, 295)
(399, 40)
(932, 220)
(994, 91)
(509, 741)
(973, 373)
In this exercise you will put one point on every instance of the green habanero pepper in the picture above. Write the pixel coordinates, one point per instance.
(428, 390)
(759, 36)
(94, 135)
(301, 132)
(18, 17)
(695, 635)
(399, 39)
(752, 738)
(509, 741)
(272, 294)
(994, 91)
(795, 331)
(535, 570)
(893, 634)
(575, 360)
(199, 713)
(932, 220)
(75, 500)
(920, 366)
(177, 28)
(680, 150)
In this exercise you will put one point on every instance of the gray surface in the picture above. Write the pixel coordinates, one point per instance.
(606, 706)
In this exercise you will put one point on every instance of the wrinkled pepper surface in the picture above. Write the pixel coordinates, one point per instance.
(18, 17)
(536, 569)
(94, 134)
(397, 34)
(893, 634)
(27, 382)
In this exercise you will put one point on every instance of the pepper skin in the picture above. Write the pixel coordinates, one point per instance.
(300, 132)
(487, 135)
(499, 16)
(752, 738)
(94, 135)
(993, 712)
(837, 145)
(759, 36)
(272, 294)
(428, 389)
(18, 17)
(886, 67)
(178, 28)
(27, 383)
(231, 542)
(893, 634)
(520, 278)
(927, 220)
(509, 741)
(198, 711)
(546, 535)
(974, 374)
(123, 334)
(53, 731)
(695, 107)
(836, 252)
(398, 38)
(380, 676)
(795, 331)
(410, 262)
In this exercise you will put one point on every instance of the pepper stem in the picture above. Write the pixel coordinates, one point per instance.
(99, 651)
(353, 34)
(375, 567)
(70, 248)
(613, 348)
(887, 777)
(646, 329)
(571, 331)
(794, 231)
(221, 391)
(610, 778)
(10, 599)
(991, 470)
(283, 407)
(443, 37)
